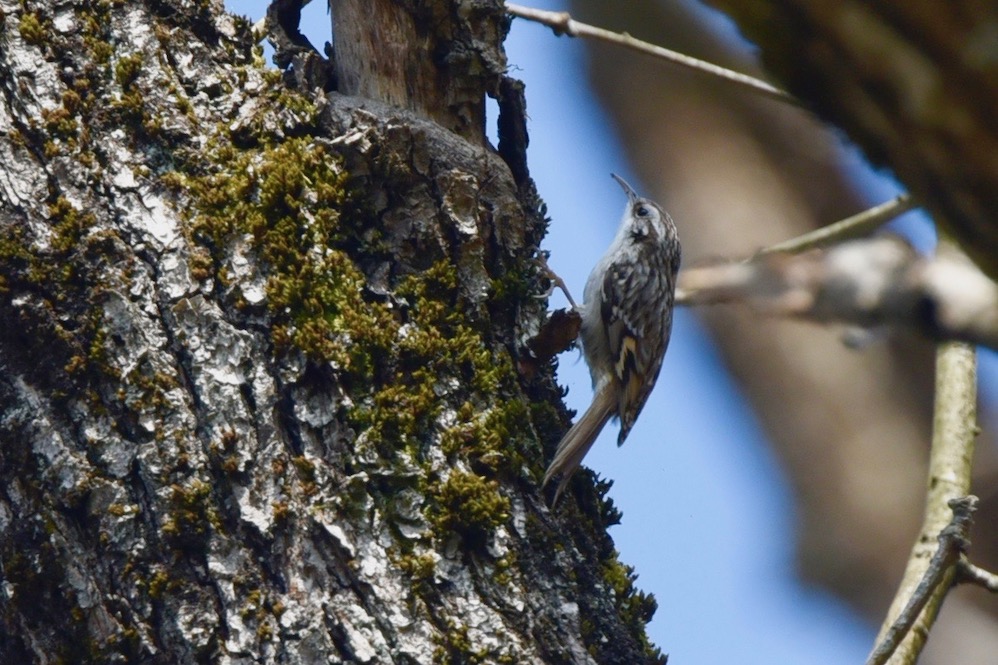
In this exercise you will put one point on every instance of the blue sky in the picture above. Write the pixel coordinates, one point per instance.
(708, 515)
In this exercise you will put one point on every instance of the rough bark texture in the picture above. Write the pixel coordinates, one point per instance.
(851, 427)
(434, 58)
(257, 346)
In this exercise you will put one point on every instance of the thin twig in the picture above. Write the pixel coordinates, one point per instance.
(563, 23)
(953, 542)
(851, 227)
(968, 573)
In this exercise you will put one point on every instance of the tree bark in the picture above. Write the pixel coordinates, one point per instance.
(435, 58)
(257, 359)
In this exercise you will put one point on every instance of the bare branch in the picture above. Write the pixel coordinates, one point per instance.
(857, 226)
(953, 541)
(877, 282)
(563, 24)
(968, 573)
(954, 429)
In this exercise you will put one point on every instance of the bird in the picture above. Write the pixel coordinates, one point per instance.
(626, 325)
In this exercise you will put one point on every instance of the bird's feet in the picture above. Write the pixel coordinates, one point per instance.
(556, 281)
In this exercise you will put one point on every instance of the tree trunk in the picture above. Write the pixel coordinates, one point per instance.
(259, 351)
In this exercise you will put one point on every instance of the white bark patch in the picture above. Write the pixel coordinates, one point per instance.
(65, 20)
(195, 624)
(5, 516)
(262, 520)
(22, 184)
(218, 350)
(128, 329)
(175, 276)
(365, 640)
(246, 273)
(113, 453)
(139, 204)
(340, 536)
(460, 203)
(161, 220)
(225, 566)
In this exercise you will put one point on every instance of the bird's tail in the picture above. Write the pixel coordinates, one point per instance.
(579, 439)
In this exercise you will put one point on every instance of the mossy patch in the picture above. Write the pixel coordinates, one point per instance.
(419, 567)
(34, 28)
(66, 272)
(405, 358)
(443, 361)
(454, 647)
(635, 607)
(286, 200)
(192, 516)
(468, 505)
(62, 122)
(127, 70)
(417, 358)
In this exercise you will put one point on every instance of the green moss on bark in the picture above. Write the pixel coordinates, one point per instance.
(468, 505)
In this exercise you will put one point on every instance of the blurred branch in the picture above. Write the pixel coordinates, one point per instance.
(968, 573)
(954, 429)
(953, 542)
(877, 282)
(868, 68)
(857, 226)
(563, 24)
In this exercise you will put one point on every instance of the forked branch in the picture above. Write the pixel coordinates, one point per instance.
(953, 541)
(930, 574)
(968, 573)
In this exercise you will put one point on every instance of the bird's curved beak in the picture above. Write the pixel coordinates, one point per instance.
(632, 196)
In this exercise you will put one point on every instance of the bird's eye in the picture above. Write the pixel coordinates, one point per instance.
(642, 211)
